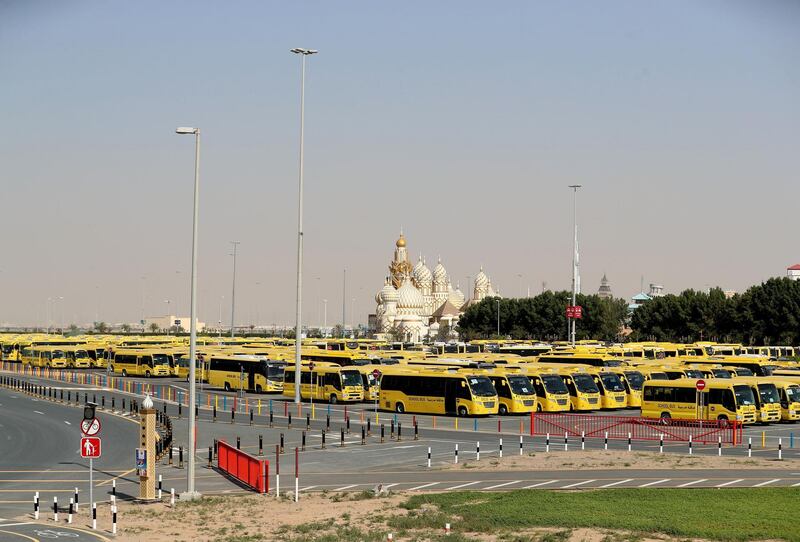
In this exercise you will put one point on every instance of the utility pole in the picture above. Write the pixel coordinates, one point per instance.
(233, 293)
(575, 258)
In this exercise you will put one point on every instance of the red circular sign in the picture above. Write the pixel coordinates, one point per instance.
(700, 385)
(376, 373)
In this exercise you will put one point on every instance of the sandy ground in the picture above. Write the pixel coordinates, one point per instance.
(336, 516)
(599, 459)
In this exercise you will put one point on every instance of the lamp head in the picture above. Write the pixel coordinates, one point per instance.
(301, 51)
(186, 130)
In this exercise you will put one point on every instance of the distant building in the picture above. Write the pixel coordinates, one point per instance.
(793, 272)
(729, 293)
(656, 290)
(604, 292)
(638, 300)
(171, 322)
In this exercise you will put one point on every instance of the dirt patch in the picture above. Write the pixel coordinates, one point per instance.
(354, 517)
(600, 459)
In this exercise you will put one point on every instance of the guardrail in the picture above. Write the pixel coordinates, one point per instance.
(245, 468)
(622, 427)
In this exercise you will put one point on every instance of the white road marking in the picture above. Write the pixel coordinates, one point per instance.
(612, 484)
(14, 524)
(387, 486)
(36, 411)
(648, 484)
(307, 488)
(795, 485)
(423, 486)
(405, 447)
(464, 485)
(731, 482)
(693, 482)
(503, 485)
(540, 484)
(66, 422)
(345, 487)
(576, 484)
(767, 482)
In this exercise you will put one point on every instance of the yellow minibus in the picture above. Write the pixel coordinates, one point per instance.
(325, 382)
(140, 362)
(724, 399)
(514, 391)
(451, 391)
(768, 402)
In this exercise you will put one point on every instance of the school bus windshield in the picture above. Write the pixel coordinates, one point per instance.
(481, 386)
(584, 383)
(81, 354)
(635, 379)
(351, 378)
(611, 382)
(768, 394)
(554, 384)
(160, 359)
(520, 385)
(793, 394)
(275, 372)
(744, 395)
(693, 373)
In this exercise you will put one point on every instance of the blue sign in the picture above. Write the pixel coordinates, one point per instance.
(141, 461)
(177, 322)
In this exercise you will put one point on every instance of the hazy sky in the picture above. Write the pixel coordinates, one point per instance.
(461, 122)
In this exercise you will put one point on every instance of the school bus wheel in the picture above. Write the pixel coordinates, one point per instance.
(124, 372)
(503, 409)
(462, 411)
(399, 407)
(147, 374)
(227, 387)
(333, 399)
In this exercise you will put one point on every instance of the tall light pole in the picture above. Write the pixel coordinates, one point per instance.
(233, 293)
(344, 301)
(219, 323)
(191, 494)
(298, 330)
(325, 314)
(575, 259)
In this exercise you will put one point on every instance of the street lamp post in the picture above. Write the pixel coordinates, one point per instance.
(298, 330)
(169, 316)
(191, 494)
(575, 258)
(219, 323)
(233, 293)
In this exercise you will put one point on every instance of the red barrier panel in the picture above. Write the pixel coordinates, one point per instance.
(242, 466)
(618, 427)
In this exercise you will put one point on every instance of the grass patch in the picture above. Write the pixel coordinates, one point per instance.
(729, 514)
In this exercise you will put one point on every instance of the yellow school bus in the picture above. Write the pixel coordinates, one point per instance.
(438, 390)
(552, 394)
(724, 399)
(767, 398)
(140, 362)
(789, 391)
(514, 390)
(583, 392)
(243, 372)
(325, 382)
(77, 357)
(612, 389)
(53, 357)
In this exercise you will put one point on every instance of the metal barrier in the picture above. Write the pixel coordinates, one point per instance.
(618, 427)
(249, 470)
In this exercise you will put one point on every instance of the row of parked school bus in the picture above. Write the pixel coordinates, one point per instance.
(511, 380)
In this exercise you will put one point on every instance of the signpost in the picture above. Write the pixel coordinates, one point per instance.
(90, 442)
(700, 385)
(574, 311)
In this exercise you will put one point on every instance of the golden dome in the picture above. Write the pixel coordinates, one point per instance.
(401, 242)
